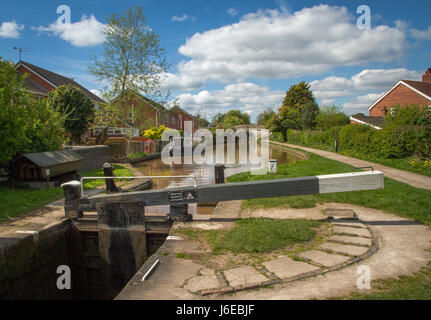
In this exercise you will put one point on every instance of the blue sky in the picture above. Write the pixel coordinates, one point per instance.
(241, 54)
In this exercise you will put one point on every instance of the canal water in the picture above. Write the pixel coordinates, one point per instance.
(204, 174)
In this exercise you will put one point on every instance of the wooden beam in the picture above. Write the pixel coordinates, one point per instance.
(355, 181)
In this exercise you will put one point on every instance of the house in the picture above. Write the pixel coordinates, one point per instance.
(139, 112)
(177, 116)
(404, 92)
(40, 82)
(374, 122)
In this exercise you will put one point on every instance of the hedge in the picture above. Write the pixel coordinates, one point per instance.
(394, 141)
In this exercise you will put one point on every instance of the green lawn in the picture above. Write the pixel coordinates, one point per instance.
(17, 201)
(410, 164)
(396, 197)
(415, 287)
(119, 171)
(256, 235)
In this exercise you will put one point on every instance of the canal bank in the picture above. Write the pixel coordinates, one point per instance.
(47, 240)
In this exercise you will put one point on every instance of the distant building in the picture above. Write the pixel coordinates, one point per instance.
(41, 81)
(404, 92)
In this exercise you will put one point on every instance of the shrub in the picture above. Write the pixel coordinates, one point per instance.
(331, 116)
(154, 133)
(277, 136)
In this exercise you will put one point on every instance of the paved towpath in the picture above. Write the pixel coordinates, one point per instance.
(413, 179)
(385, 244)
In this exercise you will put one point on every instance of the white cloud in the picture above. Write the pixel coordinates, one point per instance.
(232, 12)
(274, 44)
(181, 82)
(421, 34)
(183, 17)
(367, 80)
(85, 33)
(10, 29)
(247, 97)
(360, 104)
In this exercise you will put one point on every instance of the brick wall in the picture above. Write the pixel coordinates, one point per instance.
(36, 78)
(401, 95)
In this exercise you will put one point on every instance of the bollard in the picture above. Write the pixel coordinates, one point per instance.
(336, 145)
(72, 195)
(273, 166)
(219, 173)
(108, 171)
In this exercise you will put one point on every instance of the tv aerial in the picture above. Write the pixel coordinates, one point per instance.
(21, 50)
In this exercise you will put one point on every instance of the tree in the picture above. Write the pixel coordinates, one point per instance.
(289, 114)
(287, 118)
(232, 121)
(298, 96)
(331, 116)
(44, 128)
(75, 106)
(218, 118)
(13, 98)
(26, 124)
(264, 117)
(132, 57)
(243, 117)
(308, 115)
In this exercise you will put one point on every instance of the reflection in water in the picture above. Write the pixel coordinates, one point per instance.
(204, 173)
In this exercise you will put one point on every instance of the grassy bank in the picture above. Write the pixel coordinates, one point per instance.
(396, 197)
(17, 201)
(256, 235)
(414, 287)
(410, 164)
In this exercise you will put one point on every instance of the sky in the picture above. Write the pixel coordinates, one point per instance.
(240, 54)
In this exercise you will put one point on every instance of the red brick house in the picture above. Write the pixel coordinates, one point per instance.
(41, 81)
(140, 112)
(404, 92)
(143, 113)
(177, 116)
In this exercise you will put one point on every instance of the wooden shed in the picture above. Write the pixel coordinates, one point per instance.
(47, 166)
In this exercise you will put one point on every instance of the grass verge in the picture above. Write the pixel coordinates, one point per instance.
(410, 164)
(19, 200)
(256, 235)
(414, 287)
(396, 197)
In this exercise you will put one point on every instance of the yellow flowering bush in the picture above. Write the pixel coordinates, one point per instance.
(155, 133)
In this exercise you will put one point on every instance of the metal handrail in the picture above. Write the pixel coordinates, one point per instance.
(195, 180)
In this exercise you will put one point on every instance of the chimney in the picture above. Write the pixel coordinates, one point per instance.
(426, 77)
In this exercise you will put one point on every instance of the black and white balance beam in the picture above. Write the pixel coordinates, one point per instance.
(343, 182)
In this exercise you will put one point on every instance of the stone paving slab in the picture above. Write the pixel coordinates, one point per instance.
(356, 231)
(198, 283)
(285, 267)
(244, 275)
(354, 240)
(350, 224)
(323, 258)
(343, 248)
(340, 213)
